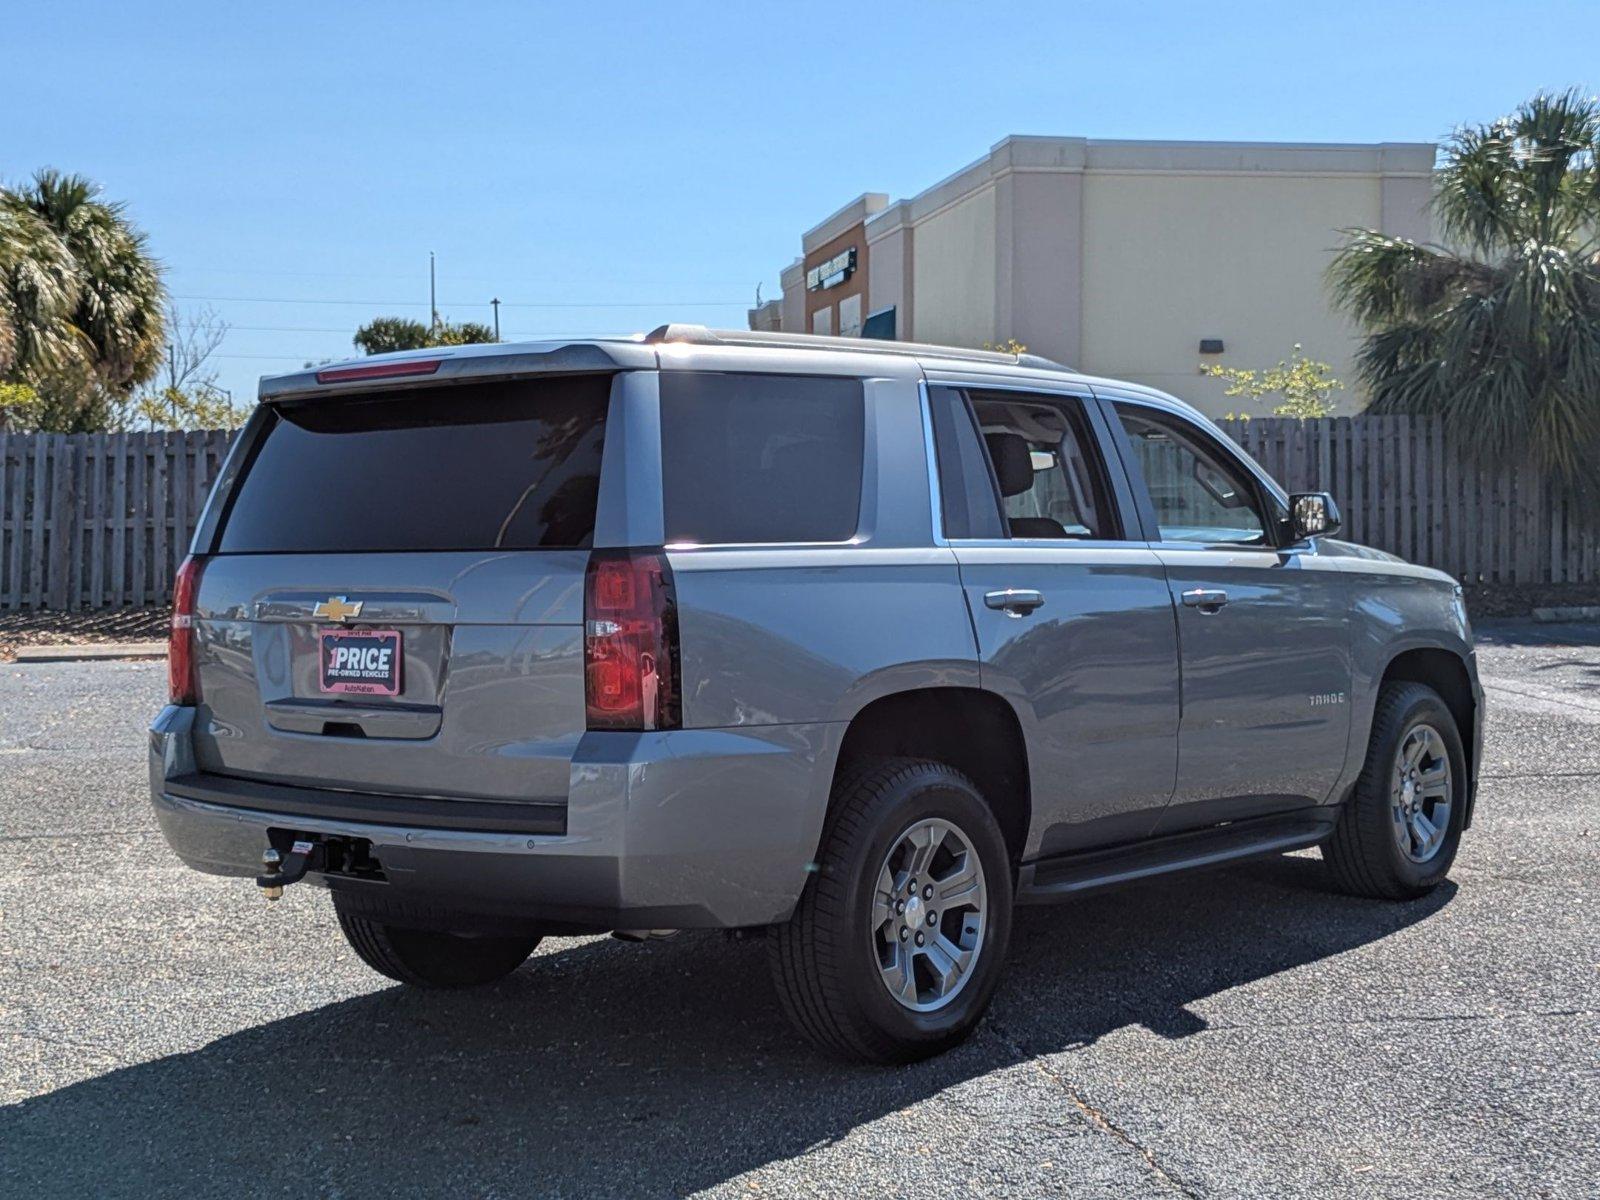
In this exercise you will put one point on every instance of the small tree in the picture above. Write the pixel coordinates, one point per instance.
(1305, 386)
(384, 335)
(191, 397)
(19, 407)
(70, 397)
(467, 333)
(199, 407)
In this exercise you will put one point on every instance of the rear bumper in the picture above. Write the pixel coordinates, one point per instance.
(684, 829)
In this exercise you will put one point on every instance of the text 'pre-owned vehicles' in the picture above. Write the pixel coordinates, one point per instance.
(857, 644)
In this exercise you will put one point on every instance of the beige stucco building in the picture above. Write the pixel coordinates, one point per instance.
(1116, 257)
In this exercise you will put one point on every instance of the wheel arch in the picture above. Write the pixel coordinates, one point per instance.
(971, 729)
(1447, 673)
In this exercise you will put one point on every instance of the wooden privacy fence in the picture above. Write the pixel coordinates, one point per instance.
(99, 520)
(1404, 486)
(102, 520)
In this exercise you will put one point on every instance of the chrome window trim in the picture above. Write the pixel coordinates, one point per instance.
(1222, 548)
(1066, 543)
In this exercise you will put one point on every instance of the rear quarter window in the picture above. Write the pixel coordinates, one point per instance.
(760, 458)
(504, 465)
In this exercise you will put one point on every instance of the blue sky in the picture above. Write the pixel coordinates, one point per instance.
(294, 163)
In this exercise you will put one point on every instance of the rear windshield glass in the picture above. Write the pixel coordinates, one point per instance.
(760, 458)
(513, 465)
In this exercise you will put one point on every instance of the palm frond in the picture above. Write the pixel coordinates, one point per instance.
(1503, 338)
(38, 286)
(119, 301)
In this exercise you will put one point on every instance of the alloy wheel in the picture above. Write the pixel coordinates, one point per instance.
(1420, 793)
(928, 914)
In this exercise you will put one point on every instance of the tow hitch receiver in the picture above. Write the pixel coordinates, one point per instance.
(283, 869)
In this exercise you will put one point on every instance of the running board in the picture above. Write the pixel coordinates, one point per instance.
(1068, 874)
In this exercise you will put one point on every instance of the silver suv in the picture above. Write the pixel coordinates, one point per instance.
(857, 644)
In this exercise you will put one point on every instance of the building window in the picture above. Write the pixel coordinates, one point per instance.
(850, 316)
(822, 321)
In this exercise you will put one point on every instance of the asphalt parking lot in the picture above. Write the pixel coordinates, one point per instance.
(1239, 1033)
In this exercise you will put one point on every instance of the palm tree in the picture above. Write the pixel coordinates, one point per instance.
(1498, 329)
(38, 283)
(119, 300)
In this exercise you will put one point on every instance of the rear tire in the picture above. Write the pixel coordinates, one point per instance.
(865, 981)
(1399, 831)
(426, 957)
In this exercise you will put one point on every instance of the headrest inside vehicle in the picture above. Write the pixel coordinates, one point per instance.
(1013, 463)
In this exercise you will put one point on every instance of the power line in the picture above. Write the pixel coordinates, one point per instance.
(266, 357)
(470, 304)
(371, 275)
(292, 328)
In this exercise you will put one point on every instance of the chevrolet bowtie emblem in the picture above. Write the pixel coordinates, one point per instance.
(337, 608)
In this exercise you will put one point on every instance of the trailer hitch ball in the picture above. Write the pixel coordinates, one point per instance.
(271, 860)
(279, 870)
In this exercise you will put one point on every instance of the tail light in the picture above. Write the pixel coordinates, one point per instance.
(181, 686)
(630, 642)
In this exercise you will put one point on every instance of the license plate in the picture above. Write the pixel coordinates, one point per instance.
(363, 662)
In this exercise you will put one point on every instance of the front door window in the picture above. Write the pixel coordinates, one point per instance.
(1199, 494)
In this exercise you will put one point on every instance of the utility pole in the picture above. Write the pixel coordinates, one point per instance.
(172, 375)
(433, 294)
(496, 303)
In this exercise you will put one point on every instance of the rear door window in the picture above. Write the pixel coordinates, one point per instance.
(1051, 480)
(752, 459)
(504, 465)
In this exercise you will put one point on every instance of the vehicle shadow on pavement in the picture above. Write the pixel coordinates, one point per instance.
(604, 1068)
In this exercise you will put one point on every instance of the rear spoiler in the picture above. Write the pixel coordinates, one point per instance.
(455, 364)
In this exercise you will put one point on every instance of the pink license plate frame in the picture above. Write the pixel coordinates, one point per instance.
(352, 662)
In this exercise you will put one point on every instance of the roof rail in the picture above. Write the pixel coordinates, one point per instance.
(700, 335)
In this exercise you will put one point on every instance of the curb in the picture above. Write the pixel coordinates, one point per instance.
(1582, 612)
(91, 652)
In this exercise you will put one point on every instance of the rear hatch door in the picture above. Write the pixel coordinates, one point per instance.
(395, 604)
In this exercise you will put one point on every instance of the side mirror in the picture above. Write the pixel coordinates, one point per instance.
(1312, 514)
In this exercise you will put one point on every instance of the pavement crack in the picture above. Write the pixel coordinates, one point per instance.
(68, 1044)
(1096, 1117)
(1565, 700)
(1405, 1019)
(1541, 775)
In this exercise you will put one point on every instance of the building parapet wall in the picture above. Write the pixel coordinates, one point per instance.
(1121, 256)
(851, 215)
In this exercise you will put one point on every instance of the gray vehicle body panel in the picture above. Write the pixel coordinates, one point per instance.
(1140, 717)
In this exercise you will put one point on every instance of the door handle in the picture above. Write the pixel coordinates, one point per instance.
(1207, 600)
(1014, 601)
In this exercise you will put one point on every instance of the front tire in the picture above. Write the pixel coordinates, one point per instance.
(1400, 828)
(426, 957)
(897, 943)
